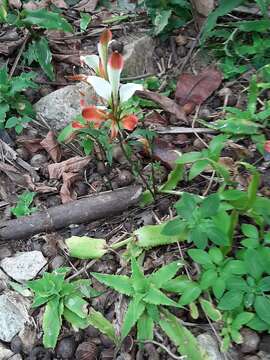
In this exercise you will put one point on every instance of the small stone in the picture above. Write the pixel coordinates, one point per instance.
(49, 250)
(5, 353)
(106, 341)
(13, 314)
(38, 161)
(86, 350)
(263, 355)
(5, 252)
(250, 341)
(16, 357)
(21, 266)
(16, 344)
(81, 188)
(23, 153)
(124, 178)
(66, 348)
(39, 353)
(91, 331)
(204, 114)
(101, 169)
(265, 344)
(57, 262)
(209, 345)
(198, 144)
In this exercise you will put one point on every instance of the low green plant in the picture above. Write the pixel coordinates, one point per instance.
(15, 110)
(66, 300)
(209, 157)
(35, 21)
(23, 206)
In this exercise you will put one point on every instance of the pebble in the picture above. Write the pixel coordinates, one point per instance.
(39, 353)
(66, 348)
(23, 153)
(38, 161)
(57, 262)
(124, 178)
(91, 331)
(250, 341)
(5, 252)
(16, 344)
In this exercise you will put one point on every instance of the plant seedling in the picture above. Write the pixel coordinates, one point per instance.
(23, 206)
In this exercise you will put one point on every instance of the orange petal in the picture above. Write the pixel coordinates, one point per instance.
(114, 130)
(130, 122)
(105, 37)
(77, 125)
(91, 113)
(116, 61)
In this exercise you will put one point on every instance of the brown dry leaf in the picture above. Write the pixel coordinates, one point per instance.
(86, 5)
(73, 59)
(155, 120)
(30, 144)
(195, 89)
(8, 47)
(52, 147)
(35, 5)
(164, 152)
(66, 192)
(15, 4)
(60, 4)
(164, 102)
(73, 165)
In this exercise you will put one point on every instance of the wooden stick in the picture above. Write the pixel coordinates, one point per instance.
(88, 209)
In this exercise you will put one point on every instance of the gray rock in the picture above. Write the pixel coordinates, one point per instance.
(16, 357)
(28, 337)
(5, 353)
(66, 348)
(13, 314)
(57, 262)
(5, 252)
(138, 56)
(250, 341)
(60, 107)
(251, 357)
(24, 266)
(209, 345)
(265, 344)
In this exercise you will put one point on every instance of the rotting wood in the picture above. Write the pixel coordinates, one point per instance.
(88, 209)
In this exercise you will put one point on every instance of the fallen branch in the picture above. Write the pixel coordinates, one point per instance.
(80, 211)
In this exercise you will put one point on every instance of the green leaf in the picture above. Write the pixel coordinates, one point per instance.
(184, 340)
(230, 300)
(192, 292)
(225, 6)
(253, 94)
(237, 283)
(120, 283)
(242, 319)
(76, 321)
(65, 133)
(219, 287)
(262, 307)
(138, 280)
(210, 205)
(84, 247)
(97, 320)
(189, 157)
(174, 227)
(11, 122)
(200, 256)
(236, 267)
(216, 255)
(161, 21)
(264, 284)
(145, 328)
(210, 310)
(174, 177)
(198, 236)
(217, 236)
(46, 20)
(44, 57)
(257, 324)
(165, 273)
(177, 285)
(134, 311)
(216, 145)
(156, 297)
(153, 312)
(186, 205)
(197, 168)
(77, 305)
(254, 264)
(85, 21)
(51, 324)
(208, 279)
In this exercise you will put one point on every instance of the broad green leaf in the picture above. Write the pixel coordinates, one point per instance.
(138, 280)
(216, 255)
(177, 285)
(217, 144)
(210, 310)
(65, 133)
(76, 321)
(174, 177)
(197, 168)
(198, 236)
(84, 21)
(254, 263)
(208, 279)
(262, 307)
(257, 324)
(237, 283)
(120, 283)
(84, 247)
(200, 256)
(210, 205)
(97, 320)
(219, 287)
(225, 6)
(184, 340)
(134, 311)
(186, 205)
(189, 157)
(174, 227)
(192, 292)
(161, 21)
(51, 324)
(44, 57)
(156, 297)
(77, 305)
(3, 111)
(242, 319)
(46, 20)
(236, 267)
(152, 235)
(41, 300)
(145, 327)
(217, 236)
(230, 300)
(253, 25)
(165, 273)
(264, 284)
(42, 287)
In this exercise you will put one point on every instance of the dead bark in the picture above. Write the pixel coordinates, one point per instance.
(80, 211)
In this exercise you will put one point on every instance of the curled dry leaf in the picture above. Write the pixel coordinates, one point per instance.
(86, 5)
(155, 120)
(164, 102)
(52, 147)
(66, 192)
(35, 5)
(60, 4)
(30, 144)
(73, 165)
(195, 89)
(164, 152)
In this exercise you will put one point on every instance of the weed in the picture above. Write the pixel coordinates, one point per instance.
(23, 206)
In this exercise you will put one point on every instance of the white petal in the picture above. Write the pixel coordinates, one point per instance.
(128, 90)
(101, 86)
(92, 61)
